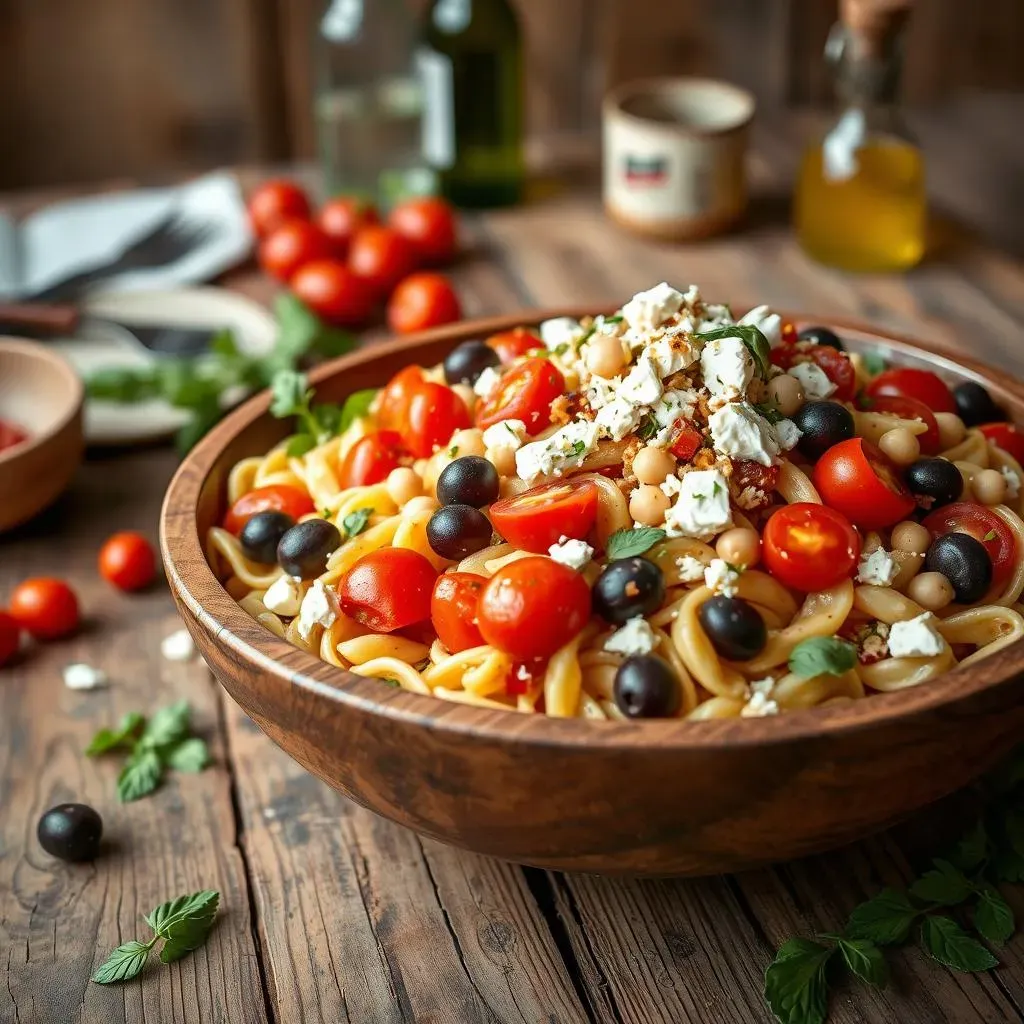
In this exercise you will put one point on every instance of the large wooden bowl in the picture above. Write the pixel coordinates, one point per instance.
(653, 797)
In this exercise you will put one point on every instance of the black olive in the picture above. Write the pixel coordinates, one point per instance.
(303, 550)
(646, 687)
(626, 588)
(964, 561)
(70, 832)
(823, 424)
(822, 336)
(456, 531)
(734, 627)
(465, 363)
(262, 533)
(471, 480)
(934, 482)
(975, 404)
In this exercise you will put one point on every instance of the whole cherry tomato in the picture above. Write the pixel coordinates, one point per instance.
(333, 292)
(510, 345)
(809, 547)
(435, 413)
(911, 382)
(983, 525)
(275, 498)
(341, 217)
(388, 589)
(127, 560)
(382, 257)
(274, 202)
(453, 610)
(10, 637)
(371, 458)
(537, 518)
(47, 608)
(859, 480)
(393, 413)
(429, 224)
(1007, 436)
(524, 393)
(292, 245)
(532, 607)
(835, 365)
(907, 408)
(421, 301)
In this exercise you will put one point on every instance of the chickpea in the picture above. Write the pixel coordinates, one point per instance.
(468, 396)
(651, 465)
(989, 487)
(403, 485)
(605, 356)
(900, 445)
(739, 546)
(951, 429)
(786, 394)
(503, 459)
(418, 505)
(930, 590)
(467, 442)
(648, 505)
(911, 537)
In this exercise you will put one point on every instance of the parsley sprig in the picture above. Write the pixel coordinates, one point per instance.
(292, 396)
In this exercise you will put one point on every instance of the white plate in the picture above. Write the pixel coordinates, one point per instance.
(100, 344)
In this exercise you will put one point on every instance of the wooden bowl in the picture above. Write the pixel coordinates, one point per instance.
(650, 797)
(42, 394)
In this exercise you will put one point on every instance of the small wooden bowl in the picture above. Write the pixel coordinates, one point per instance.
(650, 797)
(42, 394)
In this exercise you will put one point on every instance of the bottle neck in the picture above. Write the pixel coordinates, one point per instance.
(867, 71)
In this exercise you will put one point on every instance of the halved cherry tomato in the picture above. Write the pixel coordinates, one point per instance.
(292, 245)
(809, 547)
(906, 408)
(435, 413)
(510, 345)
(276, 498)
(685, 442)
(388, 589)
(10, 637)
(428, 222)
(835, 365)
(127, 560)
(422, 300)
(453, 609)
(532, 607)
(381, 257)
(393, 413)
(982, 524)
(46, 608)
(274, 202)
(911, 382)
(860, 481)
(371, 458)
(525, 393)
(341, 217)
(1007, 436)
(537, 518)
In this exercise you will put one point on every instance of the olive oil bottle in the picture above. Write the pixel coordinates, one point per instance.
(472, 68)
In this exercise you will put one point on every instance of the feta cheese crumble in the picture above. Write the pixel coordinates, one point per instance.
(759, 703)
(648, 310)
(671, 486)
(690, 569)
(562, 330)
(573, 553)
(635, 637)
(722, 578)
(813, 380)
(80, 676)
(506, 434)
(878, 568)
(619, 418)
(1012, 478)
(767, 322)
(674, 405)
(642, 385)
(178, 646)
(727, 367)
(740, 431)
(788, 434)
(565, 449)
(319, 607)
(916, 638)
(702, 508)
(284, 596)
(487, 382)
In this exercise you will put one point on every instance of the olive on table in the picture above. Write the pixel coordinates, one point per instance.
(70, 832)
(465, 362)
(734, 627)
(646, 687)
(470, 480)
(964, 561)
(975, 405)
(823, 424)
(626, 588)
(262, 533)
(822, 336)
(304, 549)
(934, 482)
(456, 531)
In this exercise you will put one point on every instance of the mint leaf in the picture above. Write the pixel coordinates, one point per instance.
(944, 885)
(299, 444)
(751, 336)
(626, 543)
(189, 755)
(944, 940)
(873, 363)
(168, 725)
(124, 963)
(355, 522)
(110, 739)
(886, 919)
(795, 986)
(184, 923)
(972, 848)
(865, 959)
(819, 655)
(993, 917)
(140, 776)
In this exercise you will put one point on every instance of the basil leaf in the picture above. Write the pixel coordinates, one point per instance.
(299, 444)
(751, 336)
(865, 959)
(184, 923)
(355, 522)
(993, 917)
(944, 940)
(357, 404)
(110, 739)
(873, 363)
(123, 964)
(140, 776)
(168, 725)
(944, 885)
(626, 543)
(819, 655)
(189, 755)
(795, 986)
(886, 919)
(972, 848)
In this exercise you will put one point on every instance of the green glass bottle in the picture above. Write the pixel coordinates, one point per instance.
(472, 67)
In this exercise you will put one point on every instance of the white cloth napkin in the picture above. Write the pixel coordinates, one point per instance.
(66, 238)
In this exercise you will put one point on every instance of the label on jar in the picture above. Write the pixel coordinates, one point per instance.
(438, 108)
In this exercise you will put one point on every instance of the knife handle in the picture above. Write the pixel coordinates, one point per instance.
(39, 318)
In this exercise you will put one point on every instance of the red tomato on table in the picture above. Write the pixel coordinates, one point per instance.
(276, 498)
(381, 257)
(859, 480)
(44, 607)
(128, 561)
(524, 393)
(809, 547)
(907, 408)
(274, 202)
(334, 292)
(388, 589)
(510, 345)
(371, 458)
(453, 609)
(835, 365)
(910, 382)
(292, 245)
(435, 413)
(537, 518)
(10, 637)
(429, 225)
(1007, 436)
(341, 217)
(421, 301)
(983, 525)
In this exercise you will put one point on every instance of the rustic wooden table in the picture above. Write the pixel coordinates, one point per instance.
(332, 914)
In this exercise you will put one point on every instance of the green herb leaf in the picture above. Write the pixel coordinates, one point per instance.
(301, 333)
(355, 522)
(991, 535)
(124, 963)
(453, 451)
(795, 986)
(110, 739)
(769, 412)
(184, 923)
(647, 429)
(189, 755)
(751, 336)
(357, 404)
(167, 726)
(819, 655)
(944, 885)
(388, 681)
(993, 917)
(944, 940)
(873, 363)
(290, 394)
(125, 385)
(885, 920)
(578, 448)
(625, 543)
(299, 444)
(866, 960)
(972, 848)
(205, 415)
(140, 776)
(224, 343)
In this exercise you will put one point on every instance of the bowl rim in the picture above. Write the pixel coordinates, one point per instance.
(58, 365)
(216, 613)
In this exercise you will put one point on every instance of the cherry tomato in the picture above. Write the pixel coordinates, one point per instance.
(860, 481)
(393, 413)
(537, 518)
(453, 608)
(421, 301)
(388, 589)
(809, 547)
(46, 608)
(292, 245)
(10, 435)
(910, 382)
(982, 524)
(333, 292)
(274, 202)
(510, 345)
(532, 607)
(435, 413)
(341, 217)
(10, 637)
(127, 560)
(381, 257)
(835, 365)
(908, 409)
(429, 224)
(686, 441)
(1007, 436)
(275, 498)
(525, 393)
(371, 458)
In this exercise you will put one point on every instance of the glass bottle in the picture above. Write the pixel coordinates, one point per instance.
(472, 64)
(369, 100)
(860, 200)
